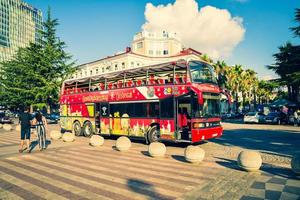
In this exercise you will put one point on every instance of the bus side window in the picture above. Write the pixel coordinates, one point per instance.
(167, 108)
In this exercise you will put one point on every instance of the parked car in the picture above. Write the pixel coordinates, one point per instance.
(276, 118)
(254, 117)
(5, 119)
(53, 117)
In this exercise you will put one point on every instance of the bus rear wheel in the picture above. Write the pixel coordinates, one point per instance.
(77, 128)
(153, 134)
(88, 129)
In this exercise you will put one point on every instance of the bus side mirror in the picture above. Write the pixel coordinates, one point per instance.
(200, 98)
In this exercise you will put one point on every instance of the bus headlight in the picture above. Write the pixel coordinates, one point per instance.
(198, 125)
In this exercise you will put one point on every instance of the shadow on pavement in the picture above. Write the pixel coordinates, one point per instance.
(36, 143)
(282, 143)
(144, 188)
(179, 158)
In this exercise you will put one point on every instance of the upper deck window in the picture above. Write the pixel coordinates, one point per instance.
(202, 73)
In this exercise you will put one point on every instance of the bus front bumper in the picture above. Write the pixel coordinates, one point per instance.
(206, 133)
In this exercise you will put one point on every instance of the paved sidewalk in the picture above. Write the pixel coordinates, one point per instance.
(78, 171)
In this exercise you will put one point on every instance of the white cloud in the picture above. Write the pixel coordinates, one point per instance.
(210, 30)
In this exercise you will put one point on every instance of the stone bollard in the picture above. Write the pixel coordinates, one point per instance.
(157, 149)
(55, 135)
(123, 143)
(295, 164)
(7, 127)
(18, 128)
(249, 160)
(1, 126)
(68, 137)
(96, 140)
(194, 154)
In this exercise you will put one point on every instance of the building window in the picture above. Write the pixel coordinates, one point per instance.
(166, 52)
(158, 52)
(102, 69)
(139, 45)
(91, 72)
(150, 52)
(97, 70)
(123, 65)
(132, 64)
(116, 67)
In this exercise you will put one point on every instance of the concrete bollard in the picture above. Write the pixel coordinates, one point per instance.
(96, 140)
(123, 143)
(55, 135)
(68, 137)
(7, 127)
(295, 164)
(157, 149)
(194, 154)
(249, 160)
(18, 128)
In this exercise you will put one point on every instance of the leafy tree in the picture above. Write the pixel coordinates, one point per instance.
(36, 73)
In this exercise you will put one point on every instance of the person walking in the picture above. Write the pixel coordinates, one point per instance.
(25, 121)
(41, 126)
(296, 118)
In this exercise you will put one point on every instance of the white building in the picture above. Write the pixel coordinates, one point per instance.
(147, 49)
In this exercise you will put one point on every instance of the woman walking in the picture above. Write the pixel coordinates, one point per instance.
(41, 126)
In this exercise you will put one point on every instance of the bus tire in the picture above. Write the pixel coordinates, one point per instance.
(153, 134)
(77, 128)
(88, 129)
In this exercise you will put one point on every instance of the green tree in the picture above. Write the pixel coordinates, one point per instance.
(287, 66)
(296, 29)
(220, 69)
(36, 73)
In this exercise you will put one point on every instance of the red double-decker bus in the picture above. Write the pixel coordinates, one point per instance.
(178, 101)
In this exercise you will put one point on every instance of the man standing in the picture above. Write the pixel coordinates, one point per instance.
(25, 122)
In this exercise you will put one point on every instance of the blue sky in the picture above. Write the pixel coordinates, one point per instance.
(94, 29)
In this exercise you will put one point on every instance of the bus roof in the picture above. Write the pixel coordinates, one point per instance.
(180, 64)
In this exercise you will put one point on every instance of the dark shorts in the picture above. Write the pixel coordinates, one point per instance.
(25, 134)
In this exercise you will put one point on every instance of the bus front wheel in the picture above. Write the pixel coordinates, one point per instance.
(87, 129)
(77, 128)
(153, 134)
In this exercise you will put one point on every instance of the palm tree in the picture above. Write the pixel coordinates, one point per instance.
(296, 29)
(287, 67)
(247, 81)
(206, 58)
(220, 69)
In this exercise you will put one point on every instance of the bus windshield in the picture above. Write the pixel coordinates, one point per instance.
(202, 73)
(209, 108)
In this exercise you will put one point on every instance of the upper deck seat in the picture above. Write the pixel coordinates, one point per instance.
(152, 80)
(101, 86)
(120, 84)
(184, 78)
(110, 86)
(177, 79)
(139, 83)
(129, 83)
(161, 81)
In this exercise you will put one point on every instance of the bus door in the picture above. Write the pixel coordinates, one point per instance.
(97, 117)
(104, 118)
(183, 117)
(167, 118)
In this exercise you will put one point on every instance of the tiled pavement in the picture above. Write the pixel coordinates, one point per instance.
(79, 171)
